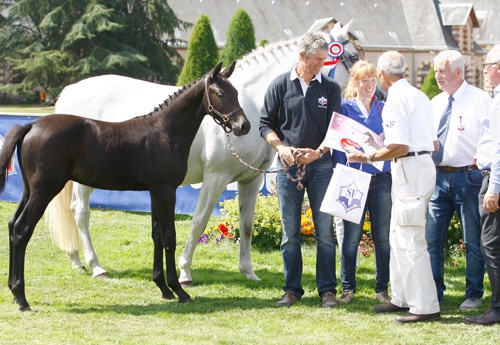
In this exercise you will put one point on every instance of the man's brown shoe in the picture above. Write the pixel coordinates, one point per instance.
(487, 318)
(409, 318)
(329, 300)
(388, 308)
(287, 300)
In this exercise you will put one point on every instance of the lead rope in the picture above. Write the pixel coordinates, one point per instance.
(299, 176)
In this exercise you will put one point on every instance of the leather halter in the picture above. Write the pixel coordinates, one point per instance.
(221, 119)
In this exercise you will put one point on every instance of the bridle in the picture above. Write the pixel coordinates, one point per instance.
(221, 119)
(342, 59)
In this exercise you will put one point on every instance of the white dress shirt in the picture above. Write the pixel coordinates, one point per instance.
(469, 105)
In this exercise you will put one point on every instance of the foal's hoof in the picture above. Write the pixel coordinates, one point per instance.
(187, 283)
(169, 296)
(186, 300)
(27, 308)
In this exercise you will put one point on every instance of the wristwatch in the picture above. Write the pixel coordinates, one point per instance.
(321, 153)
(368, 160)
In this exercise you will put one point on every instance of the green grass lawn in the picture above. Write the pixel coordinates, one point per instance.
(69, 307)
(26, 109)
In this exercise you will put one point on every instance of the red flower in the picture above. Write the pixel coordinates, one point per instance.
(224, 229)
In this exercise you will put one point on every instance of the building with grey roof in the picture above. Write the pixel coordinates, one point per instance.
(418, 29)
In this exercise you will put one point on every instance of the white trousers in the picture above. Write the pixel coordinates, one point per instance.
(412, 284)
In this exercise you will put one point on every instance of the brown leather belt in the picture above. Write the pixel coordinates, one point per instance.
(446, 169)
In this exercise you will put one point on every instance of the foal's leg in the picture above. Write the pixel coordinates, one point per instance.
(211, 189)
(11, 223)
(22, 230)
(158, 272)
(80, 206)
(164, 203)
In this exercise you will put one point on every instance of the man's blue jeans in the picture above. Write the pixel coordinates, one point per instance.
(379, 204)
(316, 180)
(456, 191)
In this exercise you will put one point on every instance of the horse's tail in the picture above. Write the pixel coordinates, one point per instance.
(61, 222)
(14, 138)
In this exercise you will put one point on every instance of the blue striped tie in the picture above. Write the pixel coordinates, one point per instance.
(444, 123)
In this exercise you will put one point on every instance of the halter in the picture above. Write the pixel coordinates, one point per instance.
(222, 120)
(342, 58)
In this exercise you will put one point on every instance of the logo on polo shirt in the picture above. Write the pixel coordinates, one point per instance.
(322, 102)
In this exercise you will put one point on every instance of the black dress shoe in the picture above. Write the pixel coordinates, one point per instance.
(409, 318)
(388, 308)
(487, 318)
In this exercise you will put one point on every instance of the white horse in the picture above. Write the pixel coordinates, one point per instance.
(116, 98)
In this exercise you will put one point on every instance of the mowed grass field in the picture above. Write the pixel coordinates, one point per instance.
(69, 307)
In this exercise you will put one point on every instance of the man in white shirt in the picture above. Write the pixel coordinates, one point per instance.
(488, 160)
(458, 179)
(409, 139)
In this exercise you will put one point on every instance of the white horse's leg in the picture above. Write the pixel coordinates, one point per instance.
(211, 189)
(80, 206)
(248, 192)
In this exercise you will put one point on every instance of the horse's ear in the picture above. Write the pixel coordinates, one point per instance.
(216, 70)
(229, 70)
(345, 29)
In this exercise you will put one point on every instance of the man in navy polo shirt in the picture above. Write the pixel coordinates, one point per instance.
(297, 110)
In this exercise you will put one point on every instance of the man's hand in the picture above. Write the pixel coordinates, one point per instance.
(355, 156)
(490, 202)
(287, 156)
(306, 155)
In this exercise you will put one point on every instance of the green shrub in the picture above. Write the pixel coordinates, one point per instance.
(454, 239)
(430, 86)
(267, 223)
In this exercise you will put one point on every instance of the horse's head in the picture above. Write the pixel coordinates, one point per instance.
(342, 54)
(221, 101)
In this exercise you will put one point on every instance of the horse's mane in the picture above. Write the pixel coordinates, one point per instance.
(246, 60)
(271, 48)
(173, 96)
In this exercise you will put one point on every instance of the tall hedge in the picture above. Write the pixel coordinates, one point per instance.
(202, 52)
(240, 37)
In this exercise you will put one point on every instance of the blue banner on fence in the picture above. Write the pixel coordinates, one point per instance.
(187, 196)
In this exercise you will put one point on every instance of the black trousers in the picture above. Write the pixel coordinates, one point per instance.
(490, 246)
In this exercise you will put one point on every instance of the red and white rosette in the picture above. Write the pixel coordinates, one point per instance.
(335, 51)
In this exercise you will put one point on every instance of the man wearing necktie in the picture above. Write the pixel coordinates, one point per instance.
(457, 114)
(488, 161)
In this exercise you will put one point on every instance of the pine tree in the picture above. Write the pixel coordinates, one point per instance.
(430, 86)
(52, 43)
(240, 37)
(202, 52)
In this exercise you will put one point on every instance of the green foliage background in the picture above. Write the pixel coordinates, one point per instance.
(430, 86)
(240, 36)
(202, 53)
(53, 43)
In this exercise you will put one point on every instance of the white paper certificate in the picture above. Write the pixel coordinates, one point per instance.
(344, 132)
